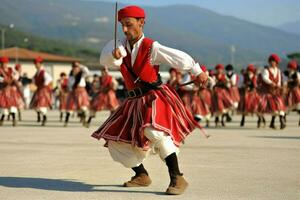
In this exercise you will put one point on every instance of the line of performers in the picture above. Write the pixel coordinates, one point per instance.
(73, 96)
(267, 92)
(261, 93)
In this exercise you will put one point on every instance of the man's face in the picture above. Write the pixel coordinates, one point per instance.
(38, 65)
(132, 28)
(220, 71)
(273, 63)
(3, 65)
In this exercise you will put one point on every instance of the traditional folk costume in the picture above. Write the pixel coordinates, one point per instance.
(10, 97)
(63, 93)
(106, 98)
(271, 98)
(202, 100)
(233, 80)
(78, 99)
(187, 92)
(250, 97)
(42, 98)
(153, 117)
(222, 101)
(19, 88)
(293, 85)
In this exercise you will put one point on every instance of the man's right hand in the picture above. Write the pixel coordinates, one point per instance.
(201, 79)
(117, 54)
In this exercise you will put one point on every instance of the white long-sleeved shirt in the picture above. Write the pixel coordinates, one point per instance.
(160, 54)
(275, 71)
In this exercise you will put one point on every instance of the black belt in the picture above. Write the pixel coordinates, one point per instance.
(138, 92)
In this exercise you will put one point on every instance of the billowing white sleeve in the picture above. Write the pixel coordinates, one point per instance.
(48, 78)
(298, 77)
(265, 77)
(174, 58)
(233, 80)
(106, 57)
(85, 70)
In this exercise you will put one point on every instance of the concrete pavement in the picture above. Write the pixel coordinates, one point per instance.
(54, 162)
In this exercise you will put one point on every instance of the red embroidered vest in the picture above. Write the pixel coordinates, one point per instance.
(141, 67)
(106, 81)
(266, 87)
(39, 78)
(7, 75)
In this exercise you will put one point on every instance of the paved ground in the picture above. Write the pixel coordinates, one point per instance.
(66, 163)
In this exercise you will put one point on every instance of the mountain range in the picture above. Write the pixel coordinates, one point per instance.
(204, 34)
(291, 27)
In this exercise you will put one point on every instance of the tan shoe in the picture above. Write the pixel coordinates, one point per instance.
(142, 180)
(177, 185)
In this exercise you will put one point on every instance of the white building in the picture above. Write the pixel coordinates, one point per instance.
(54, 64)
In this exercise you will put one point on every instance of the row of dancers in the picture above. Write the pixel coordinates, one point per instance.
(269, 91)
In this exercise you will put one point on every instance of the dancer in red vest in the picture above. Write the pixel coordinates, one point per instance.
(293, 84)
(250, 98)
(271, 97)
(9, 95)
(106, 98)
(222, 101)
(153, 117)
(202, 100)
(42, 98)
(62, 85)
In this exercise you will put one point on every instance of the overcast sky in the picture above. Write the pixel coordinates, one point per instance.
(266, 12)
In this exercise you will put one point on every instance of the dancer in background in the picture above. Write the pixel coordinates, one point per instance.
(9, 94)
(250, 97)
(293, 86)
(271, 98)
(222, 101)
(78, 99)
(232, 85)
(106, 98)
(63, 91)
(42, 98)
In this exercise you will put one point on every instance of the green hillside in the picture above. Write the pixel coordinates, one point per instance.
(15, 38)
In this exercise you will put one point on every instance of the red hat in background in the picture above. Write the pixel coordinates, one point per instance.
(38, 59)
(211, 72)
(18, 66)
(131, 11)
(251, 68)
(292, 65)
(203, 67)
(4, 60)
(219, 66)
(275, 58)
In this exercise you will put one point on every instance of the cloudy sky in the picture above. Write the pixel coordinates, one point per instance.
(267, 12)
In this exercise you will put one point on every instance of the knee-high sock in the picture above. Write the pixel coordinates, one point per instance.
(140, 170)
(172, 163)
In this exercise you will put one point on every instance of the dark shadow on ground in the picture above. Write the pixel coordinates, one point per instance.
(279, 137)
(64, 185)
